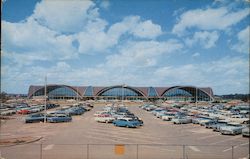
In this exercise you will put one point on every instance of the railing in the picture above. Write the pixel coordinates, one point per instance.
(123, 151)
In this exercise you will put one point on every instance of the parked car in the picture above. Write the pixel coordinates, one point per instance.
(24, 111)
(104, 118)
(231, 129)
(7, 112)
(207, 122)
(161, 113)
(218, 125)
(150, 108)
(130, 123)
(155, 111)
(100, 112)
(35, 118)
(71, 111)
(55, 118)
(75, 111)
(168, 116)
(213, 123)
(245, 131)
(181, 120)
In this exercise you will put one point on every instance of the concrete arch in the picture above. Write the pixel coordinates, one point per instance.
(185, 88)
(121, 86)
(56, 86)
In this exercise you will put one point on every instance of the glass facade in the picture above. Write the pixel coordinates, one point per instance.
(178, 93)
(152, 92)
(57, 92)
(89, 91)
(118, 92)
(186, 94)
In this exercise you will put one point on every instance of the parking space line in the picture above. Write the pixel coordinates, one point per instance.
(108, 135)
(229, 149)
(233, 138)
(244, 144)
(194, 148)
(49, 147)
(158, 148)
(210, 136)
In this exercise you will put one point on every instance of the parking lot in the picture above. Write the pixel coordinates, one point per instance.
(86, 138)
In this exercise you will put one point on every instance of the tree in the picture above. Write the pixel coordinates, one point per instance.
(4, 97)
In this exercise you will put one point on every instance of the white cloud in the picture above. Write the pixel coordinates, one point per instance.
(142, 53)
(69, 16)
(146, 29)
(27, 41)
(204, 38)
(102, 40)
(105, 4)
(209, 19)
(196, 54)
(135, 26)
(225, 75)
(243, 41)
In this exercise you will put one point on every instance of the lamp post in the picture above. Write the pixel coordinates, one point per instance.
(196, 96)
(45, 97)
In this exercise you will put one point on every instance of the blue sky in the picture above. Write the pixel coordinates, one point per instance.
(139, 43)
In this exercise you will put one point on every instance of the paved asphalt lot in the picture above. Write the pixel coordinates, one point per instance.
(85, 138)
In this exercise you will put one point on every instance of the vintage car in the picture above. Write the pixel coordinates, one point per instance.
(231, 129)
(130, 123)
(181, 120)
(35, 118)
(104, 118)
(245, 131)
(56, 118)
(168, 116)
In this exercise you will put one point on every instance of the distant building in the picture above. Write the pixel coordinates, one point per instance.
(180, 93)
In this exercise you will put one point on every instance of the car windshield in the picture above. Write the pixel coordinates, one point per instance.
(234, 125)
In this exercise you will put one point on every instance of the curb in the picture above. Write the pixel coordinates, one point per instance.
(22, 143)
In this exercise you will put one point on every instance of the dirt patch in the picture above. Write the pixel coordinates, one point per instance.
(18, 140)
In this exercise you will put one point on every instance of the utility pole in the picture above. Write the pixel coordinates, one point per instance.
(196, 96)
(77, 94)
(45, 96)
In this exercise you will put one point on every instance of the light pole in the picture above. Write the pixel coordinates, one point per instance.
(45, 96)
(196, 97)
(77, 95)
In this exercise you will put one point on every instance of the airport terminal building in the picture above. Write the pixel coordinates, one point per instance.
(65, 92)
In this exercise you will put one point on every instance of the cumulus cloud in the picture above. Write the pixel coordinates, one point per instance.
(142, 53)
(196, 54)
(204, 38)
(243, 41)
(67, 17)
(208, 19)
(27, 41)
(105, 4)
(137, 27)
(131, 25)
(224, 75)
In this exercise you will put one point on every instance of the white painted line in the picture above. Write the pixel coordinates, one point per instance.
(232, 138)
(158, 148)
(210, 136)
(108, 136)
(49, 147)
(194, 148)
(244, 144)
(229, 149)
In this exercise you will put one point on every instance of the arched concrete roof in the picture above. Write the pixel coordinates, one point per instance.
(138, 91)
(34, 89)
(207, 91)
